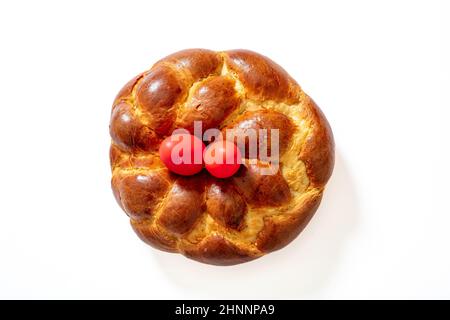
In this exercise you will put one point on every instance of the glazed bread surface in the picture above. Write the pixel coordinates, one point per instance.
(218, 221)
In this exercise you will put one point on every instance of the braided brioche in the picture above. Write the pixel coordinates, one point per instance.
(218, 221)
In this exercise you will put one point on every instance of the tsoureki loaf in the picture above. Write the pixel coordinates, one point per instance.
(218, 221)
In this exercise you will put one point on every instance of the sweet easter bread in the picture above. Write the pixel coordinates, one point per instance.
(218, 221)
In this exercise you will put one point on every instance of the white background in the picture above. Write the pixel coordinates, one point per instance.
(378, 69)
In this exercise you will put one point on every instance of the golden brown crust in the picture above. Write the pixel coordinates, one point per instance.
(279, 231)
(263, 78)
(199, 63)
(318, 150)
(139, 193)
(212, 101)
(219, 221)
(265, 120)
(217, 250)
(261, 190)
(114, 155)
(128, 132)
(157, 94)
(183, 206)
(126, 90)
(225, 204)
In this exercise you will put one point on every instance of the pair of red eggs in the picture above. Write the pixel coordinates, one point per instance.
(185, 154)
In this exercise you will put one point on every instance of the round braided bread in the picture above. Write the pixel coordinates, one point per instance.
(218, 221)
